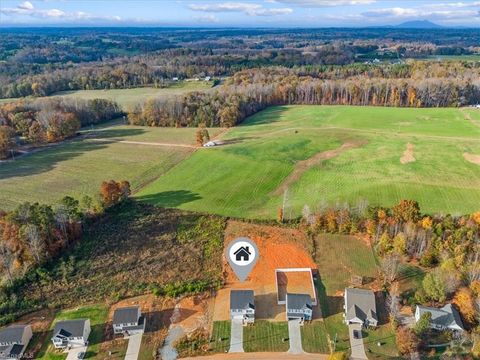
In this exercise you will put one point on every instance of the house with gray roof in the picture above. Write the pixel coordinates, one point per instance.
(299, 306)
(360, 307)
(445, 318)
(14, 340)
(242, 306)
(71, 333)
(128, 321)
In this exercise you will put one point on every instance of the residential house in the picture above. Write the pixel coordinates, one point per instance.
(14, 340)
(71, 333)
(360, 307)
(128, 320)
(445, 318)
(242, 306)
(299, 306)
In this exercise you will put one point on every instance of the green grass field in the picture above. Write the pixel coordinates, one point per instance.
(266, 336)
(242, 177)
(79, 166)
(97, 315)
(130, 97)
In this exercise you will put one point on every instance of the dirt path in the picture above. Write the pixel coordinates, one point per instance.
(474, 159)
(469, 117)
(304, 165)
(144, 143)
(408, 156)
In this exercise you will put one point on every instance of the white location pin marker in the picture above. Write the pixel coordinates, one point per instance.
(242, 254)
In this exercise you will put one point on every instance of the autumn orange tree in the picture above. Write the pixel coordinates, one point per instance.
(113, 192)
(466, 305)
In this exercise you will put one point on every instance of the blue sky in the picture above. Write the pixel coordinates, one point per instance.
(243, 13)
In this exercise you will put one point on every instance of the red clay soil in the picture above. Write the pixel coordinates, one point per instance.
(278, 248)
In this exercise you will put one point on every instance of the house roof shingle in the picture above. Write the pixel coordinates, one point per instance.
(12, 334)
(446, 316)
(242, 299)
(299, 302)
(126, 315)
(70, 328)
(360, 304)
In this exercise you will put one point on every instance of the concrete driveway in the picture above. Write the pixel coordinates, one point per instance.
(357, 346)
(236, 337)
(73, 353)
(134, 342)
(295, 337)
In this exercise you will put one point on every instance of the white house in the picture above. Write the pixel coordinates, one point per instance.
(445, 318)
(14, 340)
(128, 321)
(71, 333)
(242, 306)
(360, 307)
(299, 306)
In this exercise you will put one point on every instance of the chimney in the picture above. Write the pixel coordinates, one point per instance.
(247, 248)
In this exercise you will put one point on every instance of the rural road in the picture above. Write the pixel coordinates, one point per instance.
(261, 356)
(295, 337)
(236, 337)
(134, 342)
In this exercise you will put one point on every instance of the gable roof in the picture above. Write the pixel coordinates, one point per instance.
(11, 350)
(70, 328)
(360, 304)
(242, 299)
(446, 316)
(298, 302)
(12, 334)
(126, 315)
(243, 249)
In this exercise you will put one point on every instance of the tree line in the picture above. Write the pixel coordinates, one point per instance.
(34, 234)
(250, 91)
(49, 120)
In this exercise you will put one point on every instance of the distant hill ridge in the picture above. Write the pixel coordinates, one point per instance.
(419, 24)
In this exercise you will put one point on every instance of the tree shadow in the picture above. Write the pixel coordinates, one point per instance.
(47, 158)
(330, 305)
(172, 198)
(268, 116)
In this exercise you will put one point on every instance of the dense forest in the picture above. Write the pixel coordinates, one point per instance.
(40, 62)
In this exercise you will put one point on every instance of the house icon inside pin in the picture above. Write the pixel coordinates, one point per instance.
(242, 254)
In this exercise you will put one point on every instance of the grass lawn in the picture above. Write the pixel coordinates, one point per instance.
(220, 336)
(266, 336)
(243, 177)
(130, 97)
(352, 257)
(386, 337)
(79, 166)
(97, 315)
(315, 337)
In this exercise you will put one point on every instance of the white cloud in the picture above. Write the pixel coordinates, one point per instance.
(325, 3)
(207, 19)
(26, 8)
(246, 8)
(417, 13)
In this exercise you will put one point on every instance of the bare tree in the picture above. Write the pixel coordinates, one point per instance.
(34, 241)
(389, 267)
(6, 257)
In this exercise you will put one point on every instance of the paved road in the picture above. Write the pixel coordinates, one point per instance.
(73, 353)
(358, 348)
(236, 337)
(261, 356)
(295, 337)
(133, 348)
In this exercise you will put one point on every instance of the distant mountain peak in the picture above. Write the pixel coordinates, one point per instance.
(419, 24)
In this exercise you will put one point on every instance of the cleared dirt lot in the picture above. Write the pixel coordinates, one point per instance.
(296, 282)
(278, 248)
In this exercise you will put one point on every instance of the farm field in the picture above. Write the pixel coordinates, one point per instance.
(327, 155)
(130, 97)
(78, 167)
